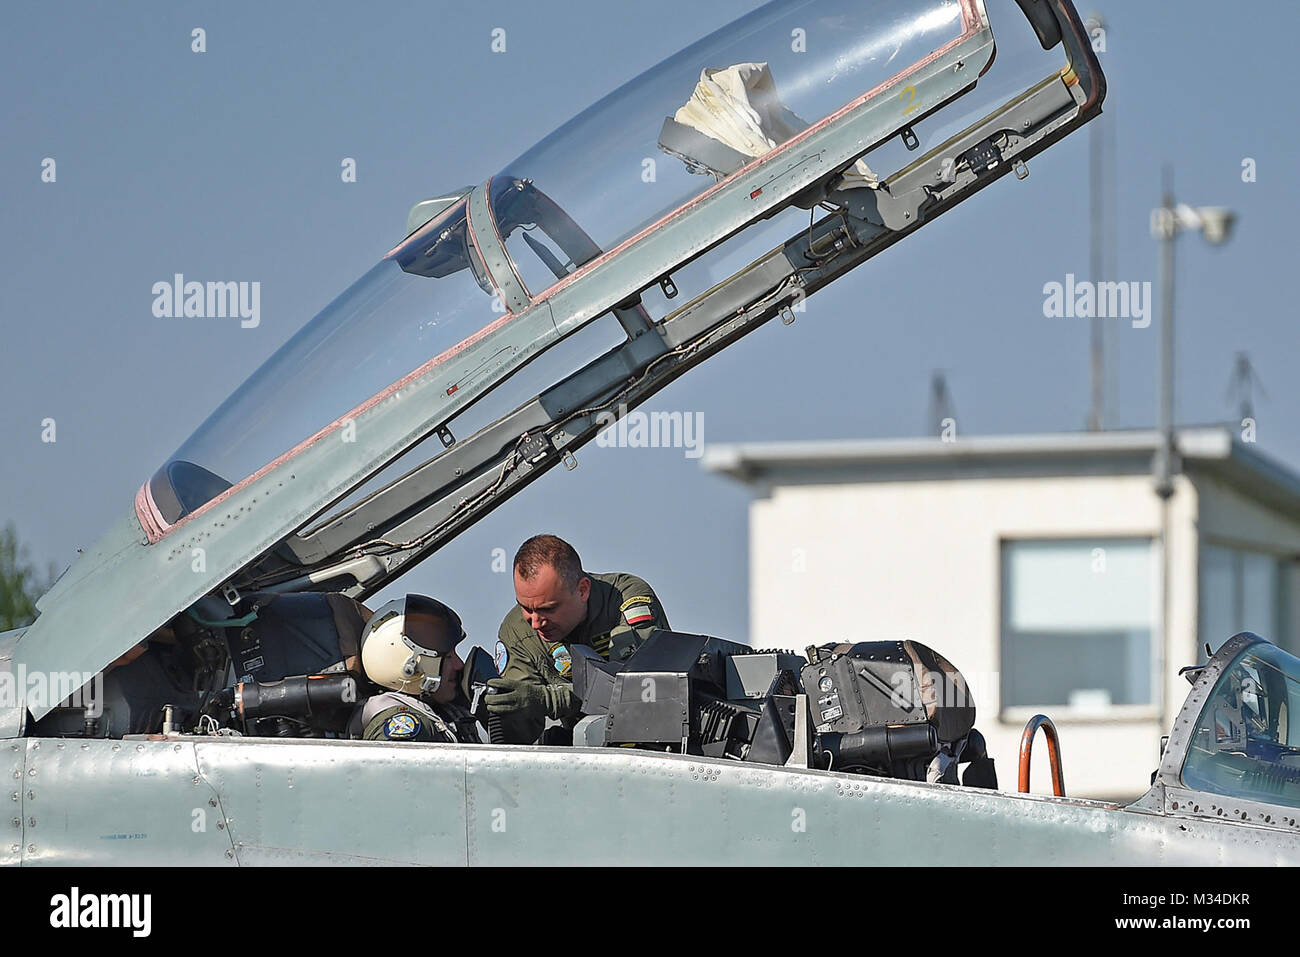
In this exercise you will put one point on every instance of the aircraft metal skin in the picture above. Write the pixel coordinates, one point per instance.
(169, 799)
(209, 801)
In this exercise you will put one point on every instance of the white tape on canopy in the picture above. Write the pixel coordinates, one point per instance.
(739, 107)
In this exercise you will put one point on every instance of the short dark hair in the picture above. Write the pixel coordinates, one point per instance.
(549, 550)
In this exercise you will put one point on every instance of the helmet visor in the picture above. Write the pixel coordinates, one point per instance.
(432, 631)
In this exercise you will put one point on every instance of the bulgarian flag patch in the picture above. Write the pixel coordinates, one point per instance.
(637, 611)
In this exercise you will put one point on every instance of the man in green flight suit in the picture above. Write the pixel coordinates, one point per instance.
(558, 605)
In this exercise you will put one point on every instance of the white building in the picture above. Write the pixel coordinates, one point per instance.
(1037, 565)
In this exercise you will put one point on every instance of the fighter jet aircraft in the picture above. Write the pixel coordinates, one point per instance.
(207, 632)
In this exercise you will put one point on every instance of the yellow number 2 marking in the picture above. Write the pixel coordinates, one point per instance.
(909, 92)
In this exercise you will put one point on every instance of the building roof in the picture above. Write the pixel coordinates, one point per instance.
(1210, 450)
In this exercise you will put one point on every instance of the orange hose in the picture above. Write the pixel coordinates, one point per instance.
(1053, 753)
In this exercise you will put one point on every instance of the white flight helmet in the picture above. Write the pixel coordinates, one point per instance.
(405, 642)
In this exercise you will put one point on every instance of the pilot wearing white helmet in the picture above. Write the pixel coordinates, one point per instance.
(409, 648)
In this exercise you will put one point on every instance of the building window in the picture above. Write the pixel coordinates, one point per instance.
(1078, 618)
(1243, 590)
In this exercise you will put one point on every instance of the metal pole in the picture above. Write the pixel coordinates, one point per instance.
(1097, 411)
(1110, 267)
(1164, 485)
(1168, 235)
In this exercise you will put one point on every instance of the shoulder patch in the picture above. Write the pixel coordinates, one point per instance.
(404, 725)
(637, 611)
(563, 660)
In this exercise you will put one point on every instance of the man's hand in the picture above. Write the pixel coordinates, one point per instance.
(511, 695)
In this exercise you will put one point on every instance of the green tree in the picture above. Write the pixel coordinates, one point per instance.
(20, 583)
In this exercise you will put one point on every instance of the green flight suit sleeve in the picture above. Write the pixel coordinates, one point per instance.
(640, 614)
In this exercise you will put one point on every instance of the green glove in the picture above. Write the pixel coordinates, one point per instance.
(511, 695)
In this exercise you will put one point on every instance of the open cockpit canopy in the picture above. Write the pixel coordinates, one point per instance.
(628, 162)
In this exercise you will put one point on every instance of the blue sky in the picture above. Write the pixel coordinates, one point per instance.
(225, 165)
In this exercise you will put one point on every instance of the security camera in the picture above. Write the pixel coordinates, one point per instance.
(1216, 223)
